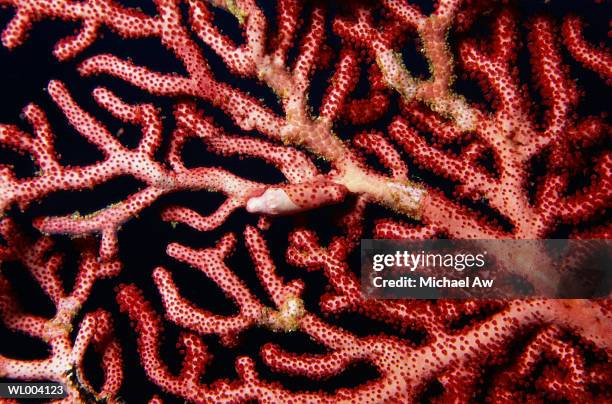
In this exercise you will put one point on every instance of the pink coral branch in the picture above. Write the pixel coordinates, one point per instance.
(92, 14)
(210, 262)
(487, 155)
(597, 59)
(65, 356)
(557, 89)
(404, 370)
(247, 112)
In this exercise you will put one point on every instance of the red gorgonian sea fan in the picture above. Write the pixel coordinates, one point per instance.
(335, 98)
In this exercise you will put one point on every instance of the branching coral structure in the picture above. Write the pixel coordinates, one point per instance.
(354, 128)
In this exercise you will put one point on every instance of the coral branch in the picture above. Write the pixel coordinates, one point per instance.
(65, 356)
(596, 59)
(331, 96)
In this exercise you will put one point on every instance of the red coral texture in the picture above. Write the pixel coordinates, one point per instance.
(355, 127)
